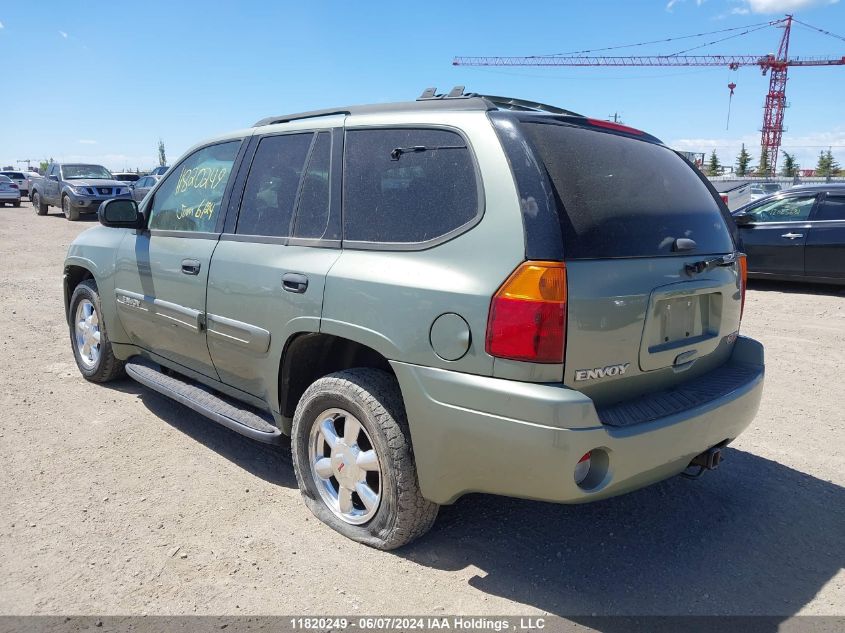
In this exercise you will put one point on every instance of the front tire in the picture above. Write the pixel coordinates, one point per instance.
(70, 211)
(38, 205)
(353, 460)
(92, 349)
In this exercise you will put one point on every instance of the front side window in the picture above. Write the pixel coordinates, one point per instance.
(793, 209)
(189, 198)
(271, 187)
(407, 185)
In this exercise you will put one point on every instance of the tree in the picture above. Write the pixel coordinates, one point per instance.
(827, 165)
(763, 168)
(742, 162)
(714, 167)
(162, 157)
(44, 165)
(790, 166)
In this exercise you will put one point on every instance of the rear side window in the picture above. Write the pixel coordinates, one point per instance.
(312, 215)
(621, 197)
(271, 187)
(407, 185)
(833, 208)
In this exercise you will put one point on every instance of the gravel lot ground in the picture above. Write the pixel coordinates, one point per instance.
(114, 500)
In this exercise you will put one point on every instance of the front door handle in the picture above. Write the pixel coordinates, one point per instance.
(295, 282)
(792, 236)
(191, 266)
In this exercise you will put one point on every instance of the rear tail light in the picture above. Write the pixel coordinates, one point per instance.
(724, 199)
(527, 319)
(743, 281)
(582, 468)
(13, 186)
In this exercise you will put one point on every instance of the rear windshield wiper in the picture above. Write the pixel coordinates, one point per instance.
(398, 151)
(704, 265)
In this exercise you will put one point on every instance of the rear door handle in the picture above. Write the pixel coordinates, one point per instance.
(295, 282)
(191, 266)
(792, 236)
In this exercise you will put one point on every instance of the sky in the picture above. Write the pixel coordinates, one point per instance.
(104, 81)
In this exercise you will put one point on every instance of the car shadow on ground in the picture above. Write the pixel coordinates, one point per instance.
(794, 287)
(270, 463)
(753, 538)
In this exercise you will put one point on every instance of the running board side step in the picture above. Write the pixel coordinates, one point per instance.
(223, 410)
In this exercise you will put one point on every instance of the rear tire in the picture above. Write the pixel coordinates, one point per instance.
(397, 513)
(38, 205)
(92, 348)
(70, 211)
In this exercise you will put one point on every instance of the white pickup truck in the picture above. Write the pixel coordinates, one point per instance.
(734, 193)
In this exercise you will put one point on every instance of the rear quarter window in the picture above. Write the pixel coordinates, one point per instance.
(622, 197)
(407, 185)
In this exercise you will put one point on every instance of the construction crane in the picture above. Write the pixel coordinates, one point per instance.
(775, 65)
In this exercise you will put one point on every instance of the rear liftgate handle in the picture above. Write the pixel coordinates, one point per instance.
(294, 282)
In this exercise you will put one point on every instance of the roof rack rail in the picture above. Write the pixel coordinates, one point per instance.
(502, 103)
(522, 105)
(271, 120)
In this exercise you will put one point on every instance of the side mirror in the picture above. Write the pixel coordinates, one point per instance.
(120, 213)
(53, 177)
(743, 219)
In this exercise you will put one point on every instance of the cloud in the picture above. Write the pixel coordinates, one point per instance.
(740, 11)
(784, 6)
(63, 34)
(87, 141)
(672, 3)
(1, 26)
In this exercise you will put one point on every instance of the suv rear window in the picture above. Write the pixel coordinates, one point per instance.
(622, 197)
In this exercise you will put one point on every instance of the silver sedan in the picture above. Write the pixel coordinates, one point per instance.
(143, 185)
(9, 192)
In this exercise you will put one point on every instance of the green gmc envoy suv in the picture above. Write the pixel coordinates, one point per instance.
(462, 293)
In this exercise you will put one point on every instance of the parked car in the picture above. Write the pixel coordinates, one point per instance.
(159, 171)
(762, 189)
(797, 234)
(142, 187)
(734, 193)
(76, 188)
(126, 176)
(542, 304)
(9, 192)
(20, 179)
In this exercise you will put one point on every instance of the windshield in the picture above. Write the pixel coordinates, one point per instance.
(770, 188)
(12, 174)
(75, 172)
(5, 179)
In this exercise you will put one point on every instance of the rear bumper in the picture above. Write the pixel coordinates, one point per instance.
(480, 434)
(7, 196)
